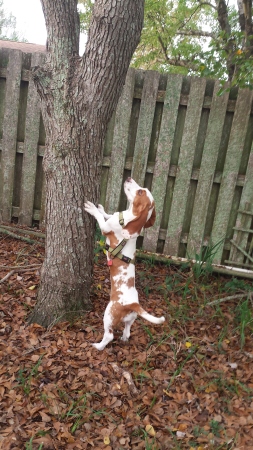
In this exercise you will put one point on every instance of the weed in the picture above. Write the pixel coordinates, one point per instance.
(236, 284)
(149, 262)
(222, 335)
(25, 376)
(146, 290)
(203, 260)
(150, 444)
(29, 445)
(99, 243)
(142, 376)
(245, 318)
(77, 407)
(150, 335)
(179, 369)
(215, 427)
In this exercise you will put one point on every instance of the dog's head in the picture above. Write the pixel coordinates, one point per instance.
(142, 205)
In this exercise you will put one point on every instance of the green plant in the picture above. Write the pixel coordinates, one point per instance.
(150, 443)
(245, 318)
(215, 427)
(29, 444)
(223, 333)
(150, 335)
(99, 243)
(204, 259)
(25, 376)
(180, 367)
(235, 284)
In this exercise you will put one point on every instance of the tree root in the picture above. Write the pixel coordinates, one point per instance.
(21, 238)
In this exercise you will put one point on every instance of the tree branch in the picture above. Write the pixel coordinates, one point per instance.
(228, 42)
(176, 61)
(63, 41)
(105, 51)
(196, 33)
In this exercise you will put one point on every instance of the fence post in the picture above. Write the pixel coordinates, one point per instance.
(30, 154)
(10, 126)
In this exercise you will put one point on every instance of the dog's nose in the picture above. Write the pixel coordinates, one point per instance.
(129, 179)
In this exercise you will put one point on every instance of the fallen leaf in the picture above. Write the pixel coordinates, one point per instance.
(180, 434)
(106, 440)
(32, 288)
(45, 417)
(150, 430)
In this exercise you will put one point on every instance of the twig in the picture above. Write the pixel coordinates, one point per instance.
(29, 266)
(18, 269)
(127, 376)
(7, 276)
(230, 297)
(21, 238)
(33, 349)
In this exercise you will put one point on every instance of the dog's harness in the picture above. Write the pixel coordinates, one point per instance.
(116, 252)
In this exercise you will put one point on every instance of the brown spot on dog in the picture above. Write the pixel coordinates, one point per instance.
(141, 207)
(119, 311)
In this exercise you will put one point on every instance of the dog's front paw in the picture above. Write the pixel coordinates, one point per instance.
(101, 209)
(90, 208)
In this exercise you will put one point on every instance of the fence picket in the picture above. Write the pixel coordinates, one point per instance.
(163, 156)
(166, 138)
(120, 141)
(207, 171)
(185, 164)
(30, 149)
(144, 131)
(244, 220)
(10, 125)
(231, 169)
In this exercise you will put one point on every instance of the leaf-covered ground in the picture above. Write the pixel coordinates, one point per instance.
(191, 379)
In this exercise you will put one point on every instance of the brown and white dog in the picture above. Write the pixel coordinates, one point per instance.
(121, 231)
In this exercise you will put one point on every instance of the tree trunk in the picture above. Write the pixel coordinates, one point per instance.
(78, 97)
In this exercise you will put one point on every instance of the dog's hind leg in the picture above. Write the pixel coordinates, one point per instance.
(128, 323)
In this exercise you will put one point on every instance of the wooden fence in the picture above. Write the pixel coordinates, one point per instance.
(173, 134)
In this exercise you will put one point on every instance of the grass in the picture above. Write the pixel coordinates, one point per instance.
(245, 318)
(29, 445)
(204, 260)
(25, 376)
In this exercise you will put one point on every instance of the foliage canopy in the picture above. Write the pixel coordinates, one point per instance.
(212, 38)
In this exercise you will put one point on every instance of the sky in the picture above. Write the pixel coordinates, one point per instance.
(30, 21)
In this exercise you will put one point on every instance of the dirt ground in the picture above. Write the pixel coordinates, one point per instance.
(185, 384)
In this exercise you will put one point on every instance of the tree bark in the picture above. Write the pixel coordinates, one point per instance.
(229, 42)
(245, 22)
(78, 95)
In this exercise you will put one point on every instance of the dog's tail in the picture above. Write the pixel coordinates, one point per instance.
(141, 312)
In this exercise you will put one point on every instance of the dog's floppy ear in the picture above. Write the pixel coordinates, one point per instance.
(136, 225)
(150, 222)
(141, 207)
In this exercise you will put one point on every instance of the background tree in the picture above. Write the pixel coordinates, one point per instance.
(79, 95)
(8, 26)
(211, 38)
